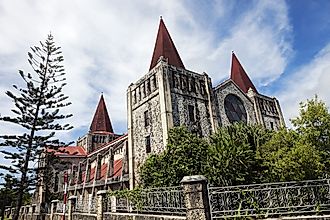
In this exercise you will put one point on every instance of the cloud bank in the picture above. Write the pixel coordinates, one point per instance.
(108, 44)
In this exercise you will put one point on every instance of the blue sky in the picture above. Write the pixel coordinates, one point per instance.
(283, 45)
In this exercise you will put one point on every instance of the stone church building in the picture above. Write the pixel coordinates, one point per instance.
(167, 95)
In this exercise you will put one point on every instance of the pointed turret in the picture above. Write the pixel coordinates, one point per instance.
(165, 47)
(239, 76)
(101, 120)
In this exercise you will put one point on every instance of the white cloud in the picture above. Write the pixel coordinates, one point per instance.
(108, 44)
(311, 79)
(261, 39)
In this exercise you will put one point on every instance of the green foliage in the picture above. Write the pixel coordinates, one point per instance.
(303, 153)
(227, 158)
(245, 154)
(185, 154)
(313, 123)
(37, 112)
(133, 196)
(232, 157)
(288, 158)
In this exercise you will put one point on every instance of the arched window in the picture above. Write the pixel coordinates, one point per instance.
(234, 109)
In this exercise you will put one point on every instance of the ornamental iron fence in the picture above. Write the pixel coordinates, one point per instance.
(59, 207)
(273, 199)
(86, 205)
(165, 201)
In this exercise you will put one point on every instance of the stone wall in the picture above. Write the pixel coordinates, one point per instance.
(270, 113)
(83, 216)
(189, 89)
(145, 101)
(130, 216)
(220, 93)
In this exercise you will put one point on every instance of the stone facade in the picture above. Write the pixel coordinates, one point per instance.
(169, 96)
(220, 93)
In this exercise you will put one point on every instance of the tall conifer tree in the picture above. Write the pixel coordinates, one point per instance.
(37, 111)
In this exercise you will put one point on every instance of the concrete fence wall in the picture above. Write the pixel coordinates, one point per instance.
(193, 189)
(195, 196)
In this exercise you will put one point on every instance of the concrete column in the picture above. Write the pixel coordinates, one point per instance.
(130, 136)
(98, 167)
(110, 163)
(125, 159)
(88, 171)
(196, 197)
(80, 173)
(165, 101)
(211, 107)
(52, 208)
(280, 114)
(113, 203)
(72, 205)
(99, 208)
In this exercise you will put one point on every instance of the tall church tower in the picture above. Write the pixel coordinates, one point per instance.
(168, 95)
(100, 131)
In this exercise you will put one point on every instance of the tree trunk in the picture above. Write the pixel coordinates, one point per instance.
(3, 210)
(22, 186)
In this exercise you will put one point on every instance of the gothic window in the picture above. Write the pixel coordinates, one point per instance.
(154, 82)
(191, 113)
(143, 91)
(139, 93)
(148, 145)
(148, 87)
(134, 96)
(192, 85)
(234, 109)
(272, 125)
(183, 83)
(202, 87)
(146, 118)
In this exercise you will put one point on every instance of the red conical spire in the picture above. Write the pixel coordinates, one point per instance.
(101, 120)
(239, 76)
(165, 47)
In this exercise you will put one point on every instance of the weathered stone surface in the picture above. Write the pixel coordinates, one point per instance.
(220, 94)
(129, 216)
(172, 96)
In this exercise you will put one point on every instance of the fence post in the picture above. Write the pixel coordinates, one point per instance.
(53, 204)
(99, 208)
(113, 203)
(72, 203)
(196, 197)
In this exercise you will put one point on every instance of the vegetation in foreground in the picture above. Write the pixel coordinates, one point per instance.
(246, 154)
(37, 114)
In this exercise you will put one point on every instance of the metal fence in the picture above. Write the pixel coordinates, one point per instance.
(86, 205)
(165, 201)
(274, 199)
(59, 207)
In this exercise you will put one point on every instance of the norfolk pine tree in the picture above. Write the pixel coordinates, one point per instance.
(36, 110)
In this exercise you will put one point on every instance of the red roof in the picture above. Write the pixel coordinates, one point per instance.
(165, 47)
(239, 76)
(69, 151)
(101, 120)
(117, 168)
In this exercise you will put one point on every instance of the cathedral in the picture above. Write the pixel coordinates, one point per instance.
(167, 95)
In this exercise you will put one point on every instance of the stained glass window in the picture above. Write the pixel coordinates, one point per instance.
(234, 108)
